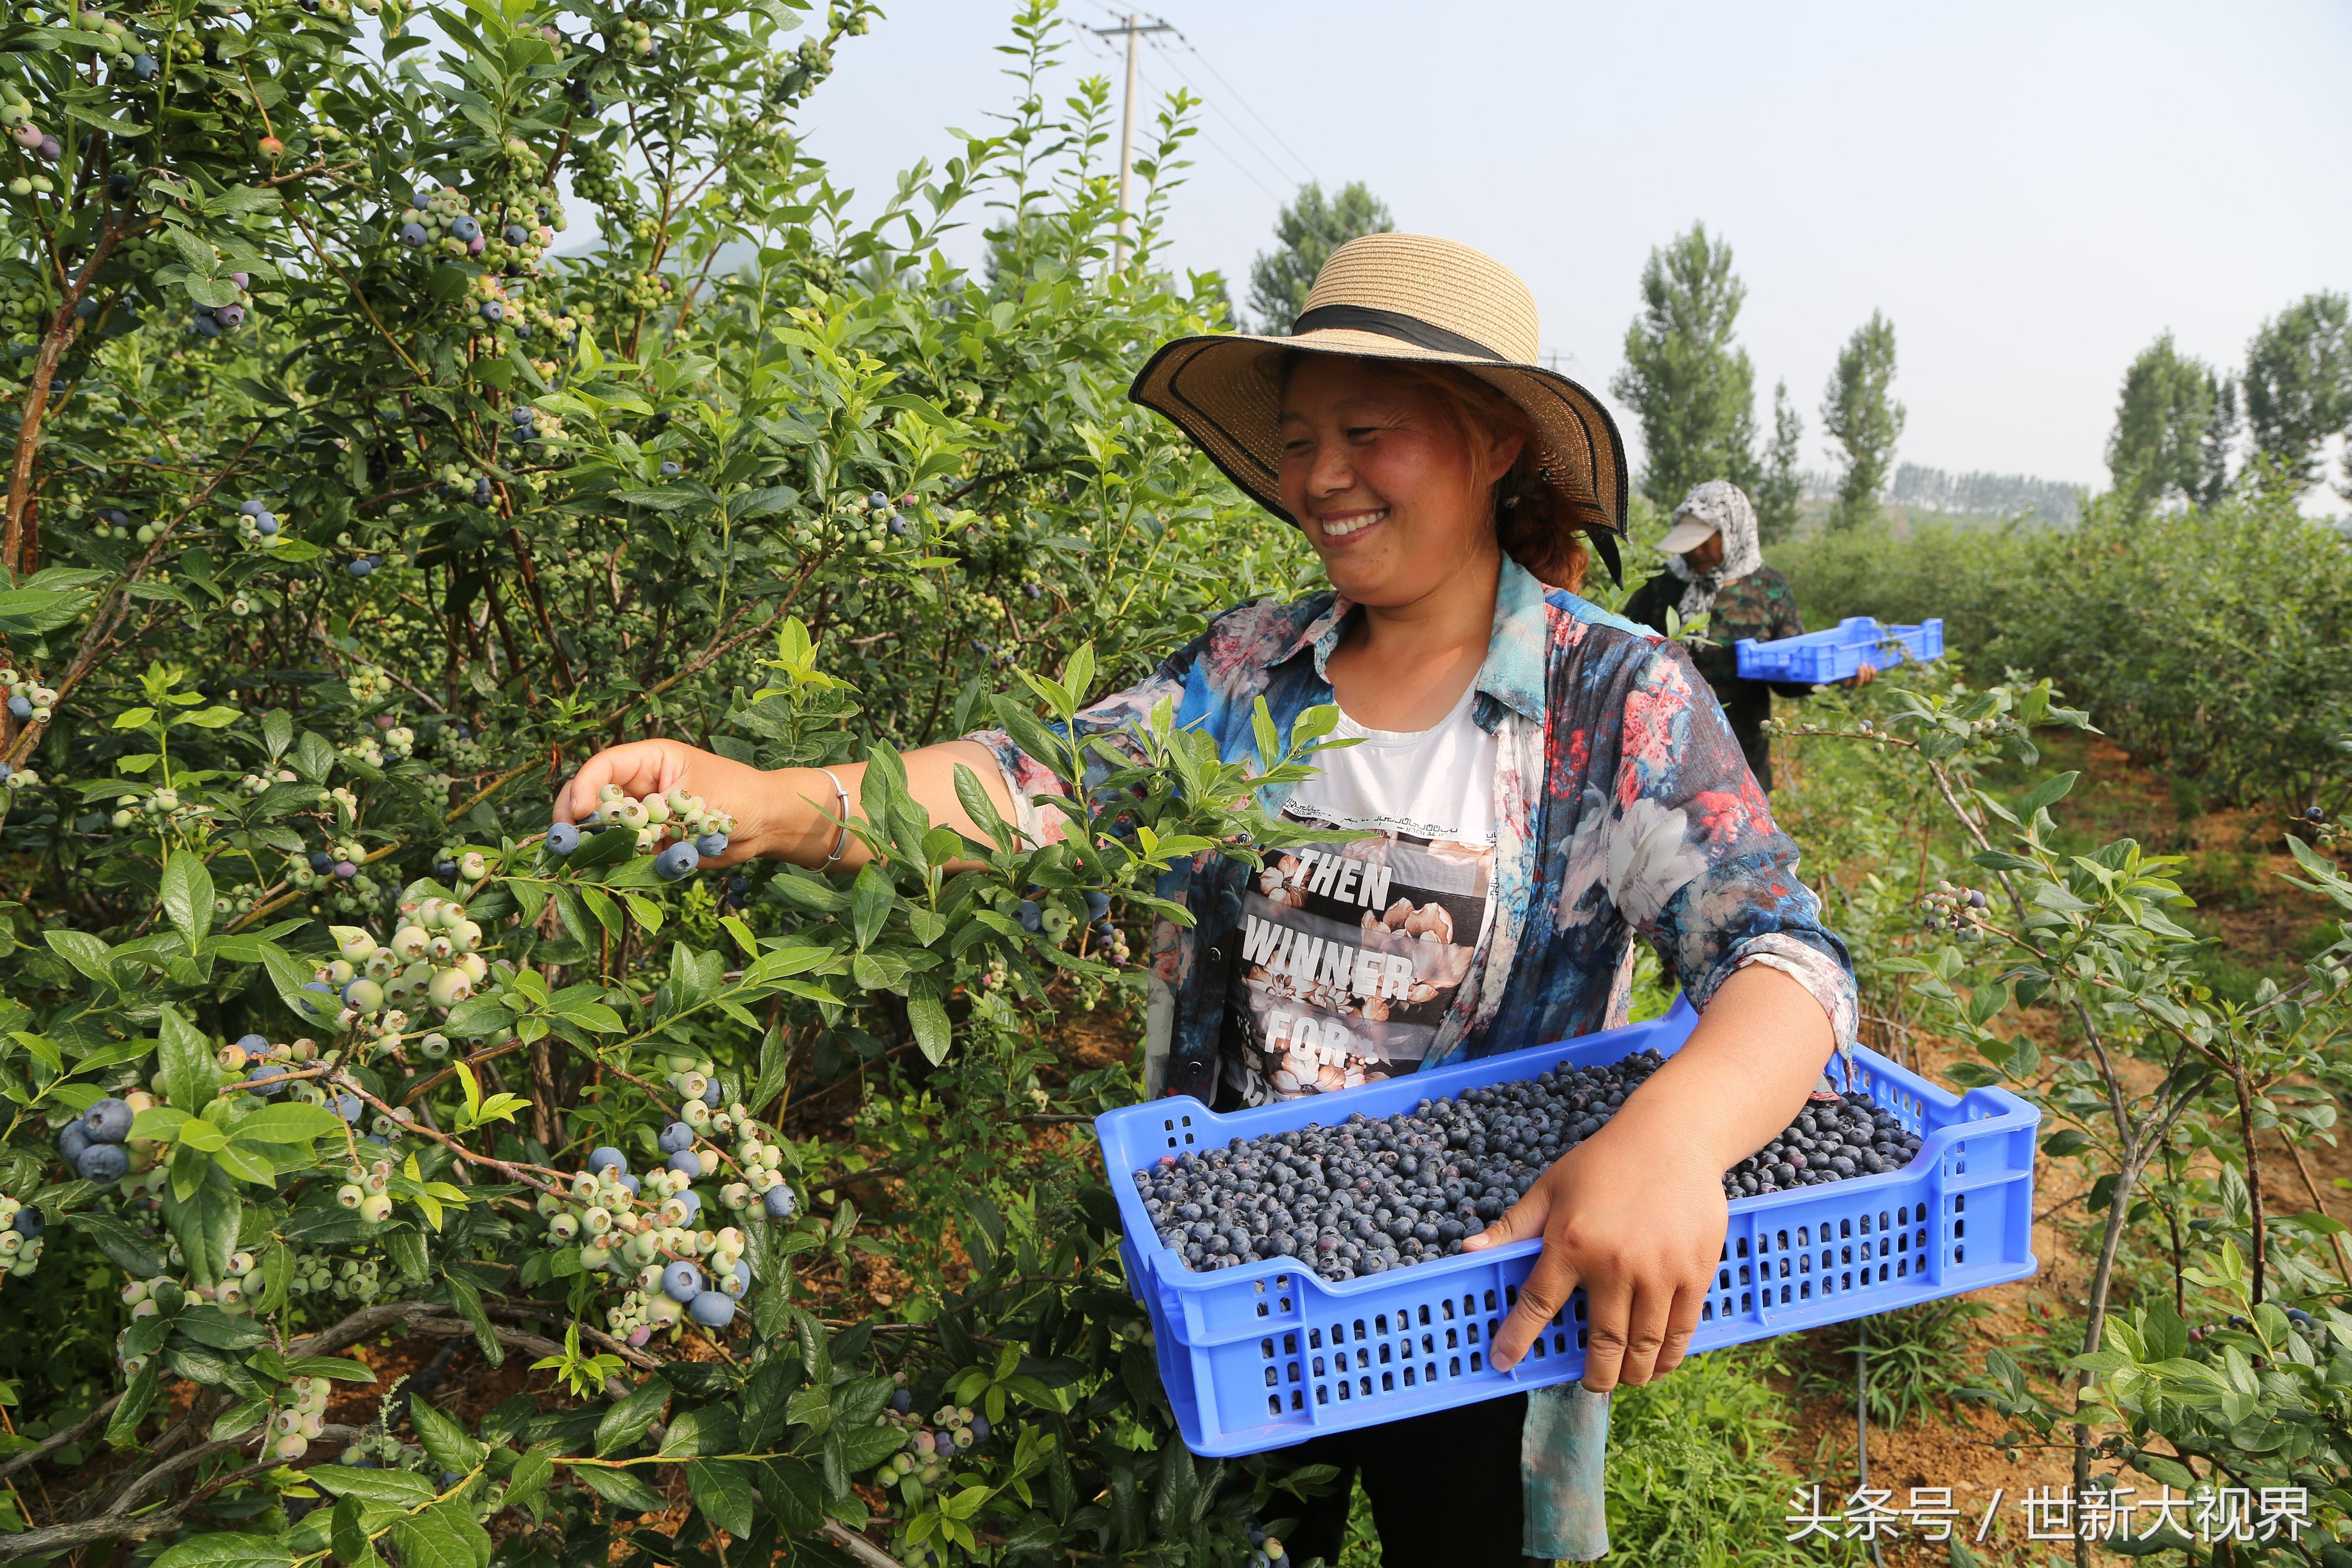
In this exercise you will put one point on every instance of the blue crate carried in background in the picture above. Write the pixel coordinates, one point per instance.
(1821, 658)
(1270, 1353)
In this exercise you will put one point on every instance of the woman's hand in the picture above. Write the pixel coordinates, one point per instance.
(1641, 1228)
(792, 813)
(769, 819)
(1636, 1214)
(1861, 677)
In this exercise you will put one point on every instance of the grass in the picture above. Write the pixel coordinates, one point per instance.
(1919, 1358)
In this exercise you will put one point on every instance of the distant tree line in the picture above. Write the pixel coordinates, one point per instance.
(2183, 425)
(1971, 495)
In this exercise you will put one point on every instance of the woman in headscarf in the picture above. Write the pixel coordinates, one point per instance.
(1714, 570)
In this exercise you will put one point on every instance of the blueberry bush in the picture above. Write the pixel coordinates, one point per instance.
(350, 502)
(2214, 1345)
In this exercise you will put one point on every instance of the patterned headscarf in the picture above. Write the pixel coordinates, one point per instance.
(1726, 507)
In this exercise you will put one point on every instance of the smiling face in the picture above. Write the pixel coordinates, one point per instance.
(1389, 487)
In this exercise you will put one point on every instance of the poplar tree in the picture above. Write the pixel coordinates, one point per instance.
(1859, 410)
(1689, 384)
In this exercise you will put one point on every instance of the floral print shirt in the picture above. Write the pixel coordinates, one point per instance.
(1622, 805)
(1759, 605)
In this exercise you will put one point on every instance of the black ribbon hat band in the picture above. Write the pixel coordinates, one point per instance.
(1393, 324)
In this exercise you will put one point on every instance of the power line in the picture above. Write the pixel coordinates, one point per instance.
(1239, 129)
(1211, 67)
(1231, 91)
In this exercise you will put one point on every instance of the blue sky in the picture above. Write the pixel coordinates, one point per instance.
(2032, 192)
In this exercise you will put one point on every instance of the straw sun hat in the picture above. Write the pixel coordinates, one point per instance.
(1408, 298)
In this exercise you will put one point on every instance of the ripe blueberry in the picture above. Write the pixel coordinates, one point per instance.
(681, 1281)
(258, 1077)
(778, 1202)
(1032, 918)
(677, 862)
(102, 1162)
(675, 1136)
(72, 1140)
(710, 846)
(106, 1121)
(464, 229)
(712, 1309)
(413, 235)
(562, 838)
(605, 1156)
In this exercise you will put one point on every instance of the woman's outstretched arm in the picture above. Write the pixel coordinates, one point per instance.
(789, 814)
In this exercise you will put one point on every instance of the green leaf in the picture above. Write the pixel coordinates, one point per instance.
(118, 1242)
(928, 1016)
(185, 1068)
(187, 894)
(528, 1480)
(621, 1489)
(389, 1488)
(227, 1549)
(795, 1494)
(341, 1368)
(293, 1124)
(84, 952)
(629, 1420)
(347, 1532)
(722, 1489)
(870, 898)
(2049, 792)
(444, 1439)
(138, 1399)
(204, 1223)
(443, 1536)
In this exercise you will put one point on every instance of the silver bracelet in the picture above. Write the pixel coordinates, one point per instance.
(841, 842)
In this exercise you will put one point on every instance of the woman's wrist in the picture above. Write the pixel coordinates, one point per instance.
(811, 806)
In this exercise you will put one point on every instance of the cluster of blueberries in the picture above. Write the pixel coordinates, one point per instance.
(1372, 1194)
(1050, 920)
(92, 1141)
(212, 320)
(953, 1430)
(700, 829)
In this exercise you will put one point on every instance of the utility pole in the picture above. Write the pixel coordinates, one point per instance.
(1130, 32)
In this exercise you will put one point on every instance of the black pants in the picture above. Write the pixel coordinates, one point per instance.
(1444, 1489)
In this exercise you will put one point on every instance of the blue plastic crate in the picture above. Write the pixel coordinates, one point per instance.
(1821, 658)
(1270, 1353)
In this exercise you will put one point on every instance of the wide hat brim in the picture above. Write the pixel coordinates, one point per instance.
(1222, 390)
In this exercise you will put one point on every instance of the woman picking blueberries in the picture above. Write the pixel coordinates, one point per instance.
(1538, 782)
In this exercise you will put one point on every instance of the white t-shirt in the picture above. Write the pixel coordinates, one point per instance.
(1352, 954)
